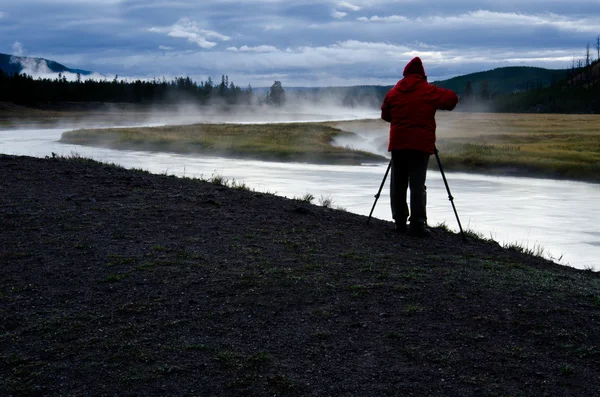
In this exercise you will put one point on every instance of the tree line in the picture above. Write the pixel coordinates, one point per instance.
(23, 89)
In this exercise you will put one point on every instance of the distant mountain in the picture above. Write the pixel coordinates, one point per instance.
(506, 80)
(11, 64)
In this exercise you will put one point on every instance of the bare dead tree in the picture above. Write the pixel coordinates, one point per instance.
(588, 64)
(598, 46)
(588, 58)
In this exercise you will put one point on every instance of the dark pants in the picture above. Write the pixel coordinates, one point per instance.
(409, 168)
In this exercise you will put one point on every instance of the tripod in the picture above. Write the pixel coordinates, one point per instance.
(437, 157)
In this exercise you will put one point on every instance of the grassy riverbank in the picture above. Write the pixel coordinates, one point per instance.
(536, 145)
(118, 282)
(556, 146)
(304, 142)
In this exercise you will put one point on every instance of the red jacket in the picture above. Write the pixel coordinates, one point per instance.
(410, 108)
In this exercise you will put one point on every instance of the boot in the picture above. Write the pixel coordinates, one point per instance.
(400, 227)
(418, 230)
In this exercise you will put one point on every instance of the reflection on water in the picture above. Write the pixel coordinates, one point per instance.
(559, 216)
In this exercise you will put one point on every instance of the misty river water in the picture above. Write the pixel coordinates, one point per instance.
(560, 217)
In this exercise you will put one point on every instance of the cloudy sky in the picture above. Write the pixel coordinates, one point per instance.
(300, 43)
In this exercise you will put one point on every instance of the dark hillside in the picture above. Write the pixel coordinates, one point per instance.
(117, 282)
(506, 80)
(555, 99)
(11, 64)
(579, 92)
(499, 81)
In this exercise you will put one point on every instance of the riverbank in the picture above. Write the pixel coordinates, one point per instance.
(557, 146)
(545, 146)
(73, 114)
(297, 142)
(535, 145)
(123, 282)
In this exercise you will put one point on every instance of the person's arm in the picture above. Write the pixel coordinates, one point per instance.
(385, 111)
(445, 99)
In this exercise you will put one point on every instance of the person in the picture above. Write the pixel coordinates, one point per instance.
(410, 109)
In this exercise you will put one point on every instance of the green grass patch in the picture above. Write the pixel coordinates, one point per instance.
(306, 142)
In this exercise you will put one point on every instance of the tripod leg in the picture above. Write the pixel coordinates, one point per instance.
(379, 192)
(449, 194)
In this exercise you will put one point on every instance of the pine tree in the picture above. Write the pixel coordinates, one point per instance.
(468, 92)
(484, 90)
(276, 95)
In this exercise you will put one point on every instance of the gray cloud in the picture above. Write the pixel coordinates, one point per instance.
(304, 42)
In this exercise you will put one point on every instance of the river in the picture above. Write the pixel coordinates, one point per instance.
(560, 218)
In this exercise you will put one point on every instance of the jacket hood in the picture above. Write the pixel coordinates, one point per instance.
(410, 83)
(415, 66)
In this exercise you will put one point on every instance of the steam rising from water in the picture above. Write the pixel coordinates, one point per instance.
(369, 137)
(188, 112)
(38, 69)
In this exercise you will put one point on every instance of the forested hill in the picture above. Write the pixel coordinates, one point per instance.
(11, 64)
(506, 80)
(518, 89)
(492, 83)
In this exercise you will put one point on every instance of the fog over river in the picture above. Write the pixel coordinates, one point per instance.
(560, 217)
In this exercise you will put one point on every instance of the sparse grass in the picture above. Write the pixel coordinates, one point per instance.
(219, 180)
(159, 248)
(358, 290)
(567, 369)
(411, 310)
(199, 347)
(326, 201)
(536, 250)
(239, 185)
(308, 198)
(113, 278)
(260, 357)
(115, 260)
(473, 234)
(77, 157)
(443, 226)
(226, 357)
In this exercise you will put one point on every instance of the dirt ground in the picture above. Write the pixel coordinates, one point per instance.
(117, 282)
